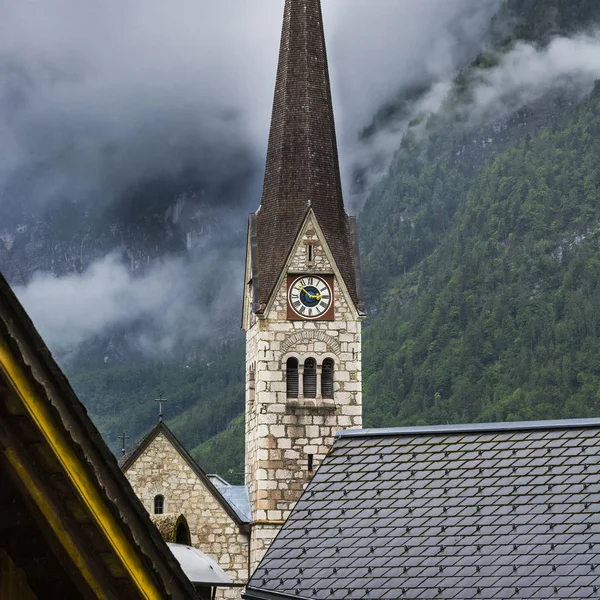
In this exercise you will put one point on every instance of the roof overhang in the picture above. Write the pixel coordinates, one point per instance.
(254, 594)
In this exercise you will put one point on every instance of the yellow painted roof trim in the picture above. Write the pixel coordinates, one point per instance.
(86, 487)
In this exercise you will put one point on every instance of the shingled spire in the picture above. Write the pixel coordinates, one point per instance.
(302, 170)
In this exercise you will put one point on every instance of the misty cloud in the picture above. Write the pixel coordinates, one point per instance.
(393, 61)
(527, 73)
(174, 302)
(98, 98)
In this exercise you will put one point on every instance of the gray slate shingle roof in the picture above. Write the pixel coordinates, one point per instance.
(237, 496)
(490, 511)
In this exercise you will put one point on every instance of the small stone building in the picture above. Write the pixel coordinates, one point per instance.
(168, 481)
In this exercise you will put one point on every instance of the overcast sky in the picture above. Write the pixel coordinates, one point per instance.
(99, 95)
(96, 94)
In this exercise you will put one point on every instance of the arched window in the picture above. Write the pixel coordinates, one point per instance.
(159, 505)
(327, 378)
(292, 377)
(182, 535)
(310, 378)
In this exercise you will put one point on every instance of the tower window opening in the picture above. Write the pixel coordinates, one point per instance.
(311, 466)
(292, 377)
(251, 385)
(159, 504)
(327, 378)
(310, 378)
(310, 253)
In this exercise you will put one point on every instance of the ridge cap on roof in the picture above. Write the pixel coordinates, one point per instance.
(470, 428)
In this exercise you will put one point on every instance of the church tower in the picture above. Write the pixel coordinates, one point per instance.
(302, 302)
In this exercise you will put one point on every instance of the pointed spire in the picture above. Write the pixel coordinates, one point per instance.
(302, 168)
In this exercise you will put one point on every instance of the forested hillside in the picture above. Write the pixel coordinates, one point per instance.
(481, 266)
(501, 321)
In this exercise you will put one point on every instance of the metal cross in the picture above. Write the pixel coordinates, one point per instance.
(160, 401)
(123, 437)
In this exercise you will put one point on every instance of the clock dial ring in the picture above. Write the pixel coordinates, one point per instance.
(310, 297)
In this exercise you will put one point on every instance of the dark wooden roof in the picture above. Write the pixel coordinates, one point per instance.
(302, 168)
(71, 424)
(490, 511)
(129, 459)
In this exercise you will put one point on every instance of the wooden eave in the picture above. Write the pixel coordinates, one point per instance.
(56, 459)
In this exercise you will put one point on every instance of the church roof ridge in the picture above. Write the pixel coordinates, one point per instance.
(470, 428)
(302, 167)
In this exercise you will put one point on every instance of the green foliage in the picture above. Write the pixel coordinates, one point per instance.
(203, 396)
(224, 453)
(538, 21)
(501, 320)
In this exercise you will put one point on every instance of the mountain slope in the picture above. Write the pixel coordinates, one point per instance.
(501, 321)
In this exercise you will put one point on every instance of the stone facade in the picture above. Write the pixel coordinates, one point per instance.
(286, 435)
(162, 470)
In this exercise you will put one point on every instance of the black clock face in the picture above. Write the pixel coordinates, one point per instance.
(310, 297)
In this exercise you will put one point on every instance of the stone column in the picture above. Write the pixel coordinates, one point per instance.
(319, 395)
(300, 380)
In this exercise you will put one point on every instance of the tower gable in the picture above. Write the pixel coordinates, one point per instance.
(310, 255)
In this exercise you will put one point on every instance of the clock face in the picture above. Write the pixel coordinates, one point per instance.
(309, 297)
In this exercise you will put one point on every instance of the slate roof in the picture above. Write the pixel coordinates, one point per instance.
(485, 511)
(238, 497)
(239, 517)
(302, 168)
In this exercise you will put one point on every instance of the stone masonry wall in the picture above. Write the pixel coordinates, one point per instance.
(281, 432)
(160, 469)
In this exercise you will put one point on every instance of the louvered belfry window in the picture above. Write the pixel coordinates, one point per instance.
(159, 505)
(310, 378)
(292, 377)
(327, 379)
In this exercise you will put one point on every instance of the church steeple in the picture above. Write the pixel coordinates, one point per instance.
(302, 169)
(302, 310)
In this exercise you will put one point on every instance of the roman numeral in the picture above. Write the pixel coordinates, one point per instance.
(310, 281)
(325, 297)
(303, 309)
(310, 312)
(297, 303)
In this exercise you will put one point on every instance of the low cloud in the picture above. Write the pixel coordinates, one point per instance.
(174, 303)
(98, 98)
(523, 76)
(528, 73)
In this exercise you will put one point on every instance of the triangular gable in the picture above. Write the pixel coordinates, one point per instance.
(138, 450)
(311, 221)
(53, 460)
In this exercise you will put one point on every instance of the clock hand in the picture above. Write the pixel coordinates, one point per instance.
(307, 293)
(311, 296)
